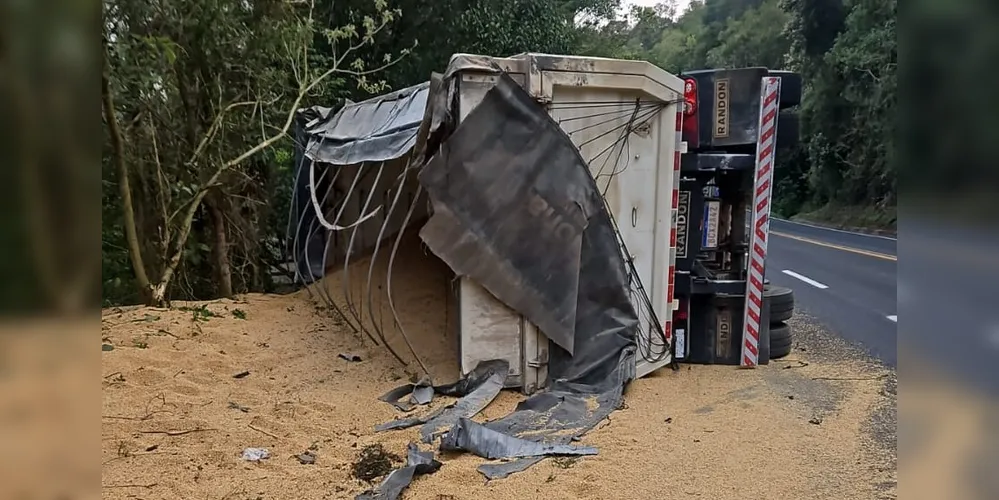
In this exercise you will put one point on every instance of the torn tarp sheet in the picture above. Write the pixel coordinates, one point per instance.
(561, 414)
(517, 209)
(470, 436)
(417, 463)
(420, 393)
(379, 129)
(476, 391)
(510, 207)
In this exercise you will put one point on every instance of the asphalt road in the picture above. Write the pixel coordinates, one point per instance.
(846, 280)
(946, 292)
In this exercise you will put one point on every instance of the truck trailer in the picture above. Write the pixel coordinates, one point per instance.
(676, 161)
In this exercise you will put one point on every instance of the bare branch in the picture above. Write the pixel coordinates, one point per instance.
(162, 192)
(214, 128)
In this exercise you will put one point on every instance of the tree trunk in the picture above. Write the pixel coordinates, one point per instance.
(220, 250)
(117, 144)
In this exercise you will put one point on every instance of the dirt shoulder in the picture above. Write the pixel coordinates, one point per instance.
(175, 418)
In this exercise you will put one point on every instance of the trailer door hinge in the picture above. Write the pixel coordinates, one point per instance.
(539, 361)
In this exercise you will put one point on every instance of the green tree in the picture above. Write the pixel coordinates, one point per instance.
(751, 40)
(196, 94)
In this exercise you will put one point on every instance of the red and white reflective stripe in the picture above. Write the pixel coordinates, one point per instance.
(762, 189)
(675, 205)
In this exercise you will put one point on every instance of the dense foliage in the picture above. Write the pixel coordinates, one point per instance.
(197, 94)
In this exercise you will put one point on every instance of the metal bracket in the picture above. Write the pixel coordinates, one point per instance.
(541, 360)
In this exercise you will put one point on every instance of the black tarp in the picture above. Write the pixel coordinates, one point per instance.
(379, 129)
(503, 162)
(517, 210)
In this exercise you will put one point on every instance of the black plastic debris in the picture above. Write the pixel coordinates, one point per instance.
(472, 403)
(417, 463)
(477, 390)
(420, 393)
(473, 437)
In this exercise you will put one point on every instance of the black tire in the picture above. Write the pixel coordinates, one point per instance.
(781, 301)
(790, 89)
(780, 340)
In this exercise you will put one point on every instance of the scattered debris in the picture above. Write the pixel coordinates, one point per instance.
(107, 347)
(307, 457)
(669, 420)
(239, 314)
(258, 429)
(175, 433)
(242, 374)
(237, 406)
(162, 331)
(468, 435)
(152, 448)
(139, 344)
(420, 392)
(256, 454)
(417, 463)
(564, 462)
(374, 462)
(423, 393)
(353, 358)
(800, 364)
(815, 421)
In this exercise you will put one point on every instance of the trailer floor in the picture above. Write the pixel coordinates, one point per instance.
(175, 418)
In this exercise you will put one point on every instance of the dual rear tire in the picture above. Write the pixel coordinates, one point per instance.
(781, 301)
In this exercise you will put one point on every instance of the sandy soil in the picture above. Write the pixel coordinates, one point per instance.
(176, 418)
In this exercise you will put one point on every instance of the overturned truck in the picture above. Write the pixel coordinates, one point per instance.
(514, 223)
(546, 184)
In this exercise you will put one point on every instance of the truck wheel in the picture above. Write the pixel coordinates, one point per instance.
(780, 340)
(781, 302)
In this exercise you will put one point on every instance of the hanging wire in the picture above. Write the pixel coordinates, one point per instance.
(597, 104)
(314, 231)
(620, 112)
(324, 295)
(333, 226)
(654, 345)
(388, 280)
(400, 186)
(625, 136)
(320, 216)
(345, 278)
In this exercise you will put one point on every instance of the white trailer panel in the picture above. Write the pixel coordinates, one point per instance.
(623, 117)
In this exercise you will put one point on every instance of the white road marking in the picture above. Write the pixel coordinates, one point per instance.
(806, 279)
(893, 318)
(835, 230)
